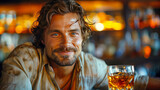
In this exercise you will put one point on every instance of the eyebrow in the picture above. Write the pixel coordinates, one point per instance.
(71, 30)
(50, 31)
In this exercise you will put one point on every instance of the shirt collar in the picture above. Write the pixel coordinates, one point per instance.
(80, 61)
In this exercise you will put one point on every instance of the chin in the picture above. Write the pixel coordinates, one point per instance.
(65, 61)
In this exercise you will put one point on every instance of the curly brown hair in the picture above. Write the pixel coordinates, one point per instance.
(58, 7)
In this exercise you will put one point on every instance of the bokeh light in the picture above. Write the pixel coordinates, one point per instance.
(99, 26)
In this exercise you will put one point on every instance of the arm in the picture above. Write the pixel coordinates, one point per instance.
(153, 84)
(13, 78)
(17, 70)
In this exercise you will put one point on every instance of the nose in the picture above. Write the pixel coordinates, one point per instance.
(66, 40)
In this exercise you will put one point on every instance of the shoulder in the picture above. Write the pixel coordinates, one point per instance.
(24, 57)
(23, 49)
(91, 60)
(93, 65)
(24, 54)
(20, 67)
(26, 51)
(93, 69)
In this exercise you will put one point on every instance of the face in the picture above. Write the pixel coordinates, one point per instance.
(63, 39)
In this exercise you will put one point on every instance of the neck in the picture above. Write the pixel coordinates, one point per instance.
(63, 75)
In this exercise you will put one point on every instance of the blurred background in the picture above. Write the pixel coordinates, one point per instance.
(125, 31)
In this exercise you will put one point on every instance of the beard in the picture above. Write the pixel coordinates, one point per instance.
(64, 60)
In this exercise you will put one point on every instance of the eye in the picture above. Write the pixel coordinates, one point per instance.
(55, 34)
(75, 34)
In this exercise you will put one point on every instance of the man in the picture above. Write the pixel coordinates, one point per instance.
(55, 60)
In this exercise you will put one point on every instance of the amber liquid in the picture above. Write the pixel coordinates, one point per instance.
(121, 81)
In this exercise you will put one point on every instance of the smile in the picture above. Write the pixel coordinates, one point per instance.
(66, 53)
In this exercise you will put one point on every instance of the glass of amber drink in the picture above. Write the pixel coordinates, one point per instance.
(121, 77)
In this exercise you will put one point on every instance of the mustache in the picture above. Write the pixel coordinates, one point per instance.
(65, 49)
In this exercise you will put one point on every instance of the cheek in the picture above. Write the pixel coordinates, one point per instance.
(78, 43)
(51, 43)
(49, 46)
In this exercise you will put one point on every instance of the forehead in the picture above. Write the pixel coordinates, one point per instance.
(65, 20)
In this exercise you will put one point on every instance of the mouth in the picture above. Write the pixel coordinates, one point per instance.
(64, 53)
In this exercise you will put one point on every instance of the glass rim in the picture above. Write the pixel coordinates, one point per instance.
(119, 65)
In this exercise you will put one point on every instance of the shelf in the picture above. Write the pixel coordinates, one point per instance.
(144, 4)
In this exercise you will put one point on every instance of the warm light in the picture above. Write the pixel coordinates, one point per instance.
(102, 16)
(11, 29)
(108, 24)
(152, 24)
(117, 26)
(1, 29)
(147, 51)
(19, 29)
(118, 18)
(99, 26)
(27, 23)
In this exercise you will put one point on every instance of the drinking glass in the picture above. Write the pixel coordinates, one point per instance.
(120, 77)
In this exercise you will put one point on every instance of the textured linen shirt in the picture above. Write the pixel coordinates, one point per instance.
(27, 68)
